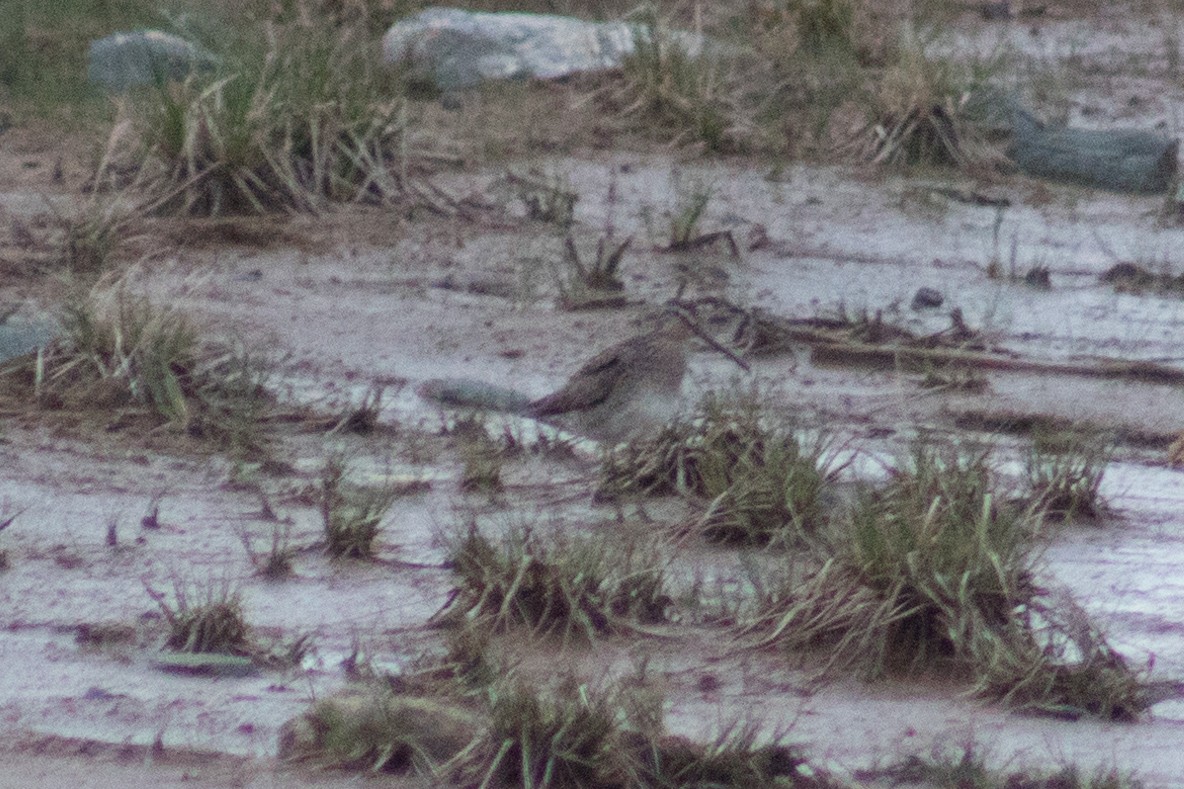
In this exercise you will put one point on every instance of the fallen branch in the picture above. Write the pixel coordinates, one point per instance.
(874, 343)
(832, 352)
(1027, 424)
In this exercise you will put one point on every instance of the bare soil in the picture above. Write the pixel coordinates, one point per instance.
(362, 296)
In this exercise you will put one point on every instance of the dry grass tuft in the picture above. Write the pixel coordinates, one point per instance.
(206, 619)
(301, 115)
(597, 284)
(570, 588)
(562, 732)
(967, 766)
(679, 88)
(351, 515)
(759, 483)
(573, 734)
(120, 353)
(925, 109)
(1065, 473)
(935, 573)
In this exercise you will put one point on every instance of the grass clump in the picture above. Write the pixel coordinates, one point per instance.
(576, 735)
(684, 225)
(351, 515)
(1065, 473)
(758, 482)
(733, 759)
(362, 419)
(597, 284)
(91, 238)
(685, 234)
(678, 86)
(814, 60)
(569, 588)
(483, 458)
(276, 563)
(824, 25)
(1058, 663)
(234, 398)
(969, 770)
(547, 197)
(926, 109)
(118, 351)
(135, 351)
(935, 573)
(424, 719)
(287, 121)
(467, 666)
(570, 737)
(563, 732)
(922, 568)
(206, 619)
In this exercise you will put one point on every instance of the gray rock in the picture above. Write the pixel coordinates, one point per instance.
(1136, 161)
(18, 337)
(1121, 160)
(927, 298)
(455, 49)
(122, 61)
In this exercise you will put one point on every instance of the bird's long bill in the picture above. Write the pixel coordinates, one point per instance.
(714, 343)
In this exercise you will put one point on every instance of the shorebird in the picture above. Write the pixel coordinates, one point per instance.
(631, 387)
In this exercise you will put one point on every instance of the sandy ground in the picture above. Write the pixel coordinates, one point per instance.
(361, 297)
(54, 763)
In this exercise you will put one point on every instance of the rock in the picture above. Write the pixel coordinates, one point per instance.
(455, 49)
(927, 298)
(18, 337)
(1038, 277)
(1135, 161)
(122, 61)
(1120, 160)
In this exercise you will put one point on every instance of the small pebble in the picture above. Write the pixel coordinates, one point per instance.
(927, 298)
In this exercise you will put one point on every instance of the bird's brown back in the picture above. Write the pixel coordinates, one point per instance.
(659, 354)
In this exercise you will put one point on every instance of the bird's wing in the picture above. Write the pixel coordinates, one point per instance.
(589, 387)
